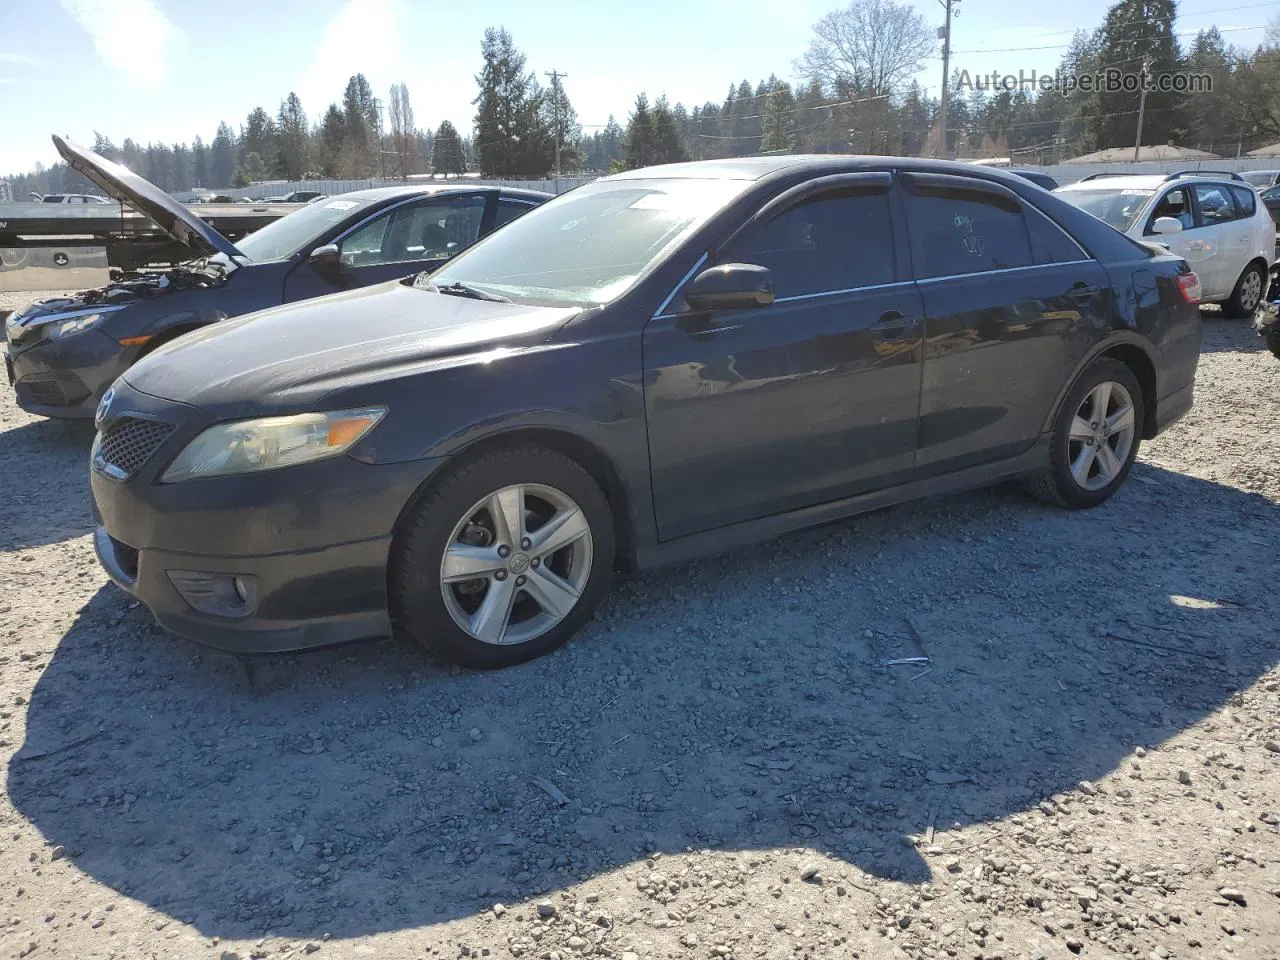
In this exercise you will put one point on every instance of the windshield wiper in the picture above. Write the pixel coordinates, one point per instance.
(457, 289)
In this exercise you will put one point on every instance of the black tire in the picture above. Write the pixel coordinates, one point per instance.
(1056, 484)
(417, 603)
(1238, 307)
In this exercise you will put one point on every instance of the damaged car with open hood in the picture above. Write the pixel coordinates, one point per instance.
(64, 353)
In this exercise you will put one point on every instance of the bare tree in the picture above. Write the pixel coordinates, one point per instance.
(871, 47)
(403, 134)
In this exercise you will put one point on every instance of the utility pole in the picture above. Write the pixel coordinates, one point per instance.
(945, 34)
(1142, 104)
(556, 77)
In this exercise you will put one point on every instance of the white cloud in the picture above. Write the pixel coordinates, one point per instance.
(20, 58)
(364, 36)
(131, 36)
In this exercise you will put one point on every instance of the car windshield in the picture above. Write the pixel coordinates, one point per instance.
(588, 246)
(1120, 208)
(1260, 178)
(294, 231)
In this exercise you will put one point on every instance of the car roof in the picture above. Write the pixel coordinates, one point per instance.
(1145, 181)
(817, 164)
(379, 194)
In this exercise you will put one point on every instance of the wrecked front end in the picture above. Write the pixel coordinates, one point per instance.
(63, 352)
(1267, 321)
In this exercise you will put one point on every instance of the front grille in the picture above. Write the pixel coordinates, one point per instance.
(129, 443)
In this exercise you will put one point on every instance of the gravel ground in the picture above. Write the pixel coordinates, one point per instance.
(720, 766)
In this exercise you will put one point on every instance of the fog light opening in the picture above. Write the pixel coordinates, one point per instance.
(217, 594)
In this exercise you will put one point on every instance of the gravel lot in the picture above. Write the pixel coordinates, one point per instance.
(719, 767)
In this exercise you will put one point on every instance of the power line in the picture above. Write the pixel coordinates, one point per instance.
(1060, 46)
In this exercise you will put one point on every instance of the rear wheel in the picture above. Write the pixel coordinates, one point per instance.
(1247, 294)
(504, 561)
(1095, 438)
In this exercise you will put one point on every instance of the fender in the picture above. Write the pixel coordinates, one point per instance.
(1115, 339)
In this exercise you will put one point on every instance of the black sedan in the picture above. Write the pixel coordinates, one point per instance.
(659, 364)
(64, 353)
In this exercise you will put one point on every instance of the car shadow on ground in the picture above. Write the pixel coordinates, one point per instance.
(46, 469)
(738, 703)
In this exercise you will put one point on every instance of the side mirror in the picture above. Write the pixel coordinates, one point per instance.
(326, 259)
(730, 286)
(1166, 225)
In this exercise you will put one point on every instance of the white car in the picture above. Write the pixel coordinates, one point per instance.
(1214, 221)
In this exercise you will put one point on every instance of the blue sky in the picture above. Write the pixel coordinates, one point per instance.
(167, 70)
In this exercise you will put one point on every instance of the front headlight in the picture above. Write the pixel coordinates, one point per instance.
(249, 446)
(61, 329)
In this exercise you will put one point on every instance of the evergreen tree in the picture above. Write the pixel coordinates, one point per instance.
(258, 135)
(332, 136)
(159, 166)
(447, 155)
(180, 170)
(558, 110)
(222, 157)
(199, 163)
(667, 146)
(291, 132)
(253, 170)
(361, 129)
(513, 136)
(640, 136)
(778, 128)
(1133, 32)
(104, 147)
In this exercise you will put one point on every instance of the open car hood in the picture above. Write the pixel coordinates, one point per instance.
(161, 209)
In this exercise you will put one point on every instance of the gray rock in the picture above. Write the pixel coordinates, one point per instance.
(811, 873)
(1184, 778)
(547, 909)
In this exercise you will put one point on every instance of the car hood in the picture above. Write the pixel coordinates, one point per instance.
(161, 209)
(286, 357)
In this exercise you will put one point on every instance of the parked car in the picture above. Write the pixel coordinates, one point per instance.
(1215, 221)
(658, 364)
(1271, 200)
(1261, 179)
(64, 352)
(73, 198)
(1038, 178)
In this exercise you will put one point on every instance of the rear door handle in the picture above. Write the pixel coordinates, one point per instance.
(1080, 293)
(894, 318)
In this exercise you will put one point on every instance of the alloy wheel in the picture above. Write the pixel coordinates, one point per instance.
(1102, 435)
(516, 564)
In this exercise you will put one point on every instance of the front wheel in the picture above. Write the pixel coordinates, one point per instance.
(1095, 438)
(504, 561)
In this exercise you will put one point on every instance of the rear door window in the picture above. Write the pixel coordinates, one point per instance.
(833, 242)
(954, 235)
(1216, 205)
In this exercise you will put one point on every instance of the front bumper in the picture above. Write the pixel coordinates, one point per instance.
(259, 563)
(301, 600)
(66, 378)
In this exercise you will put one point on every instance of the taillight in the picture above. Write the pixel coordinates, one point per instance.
(1189, 284)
